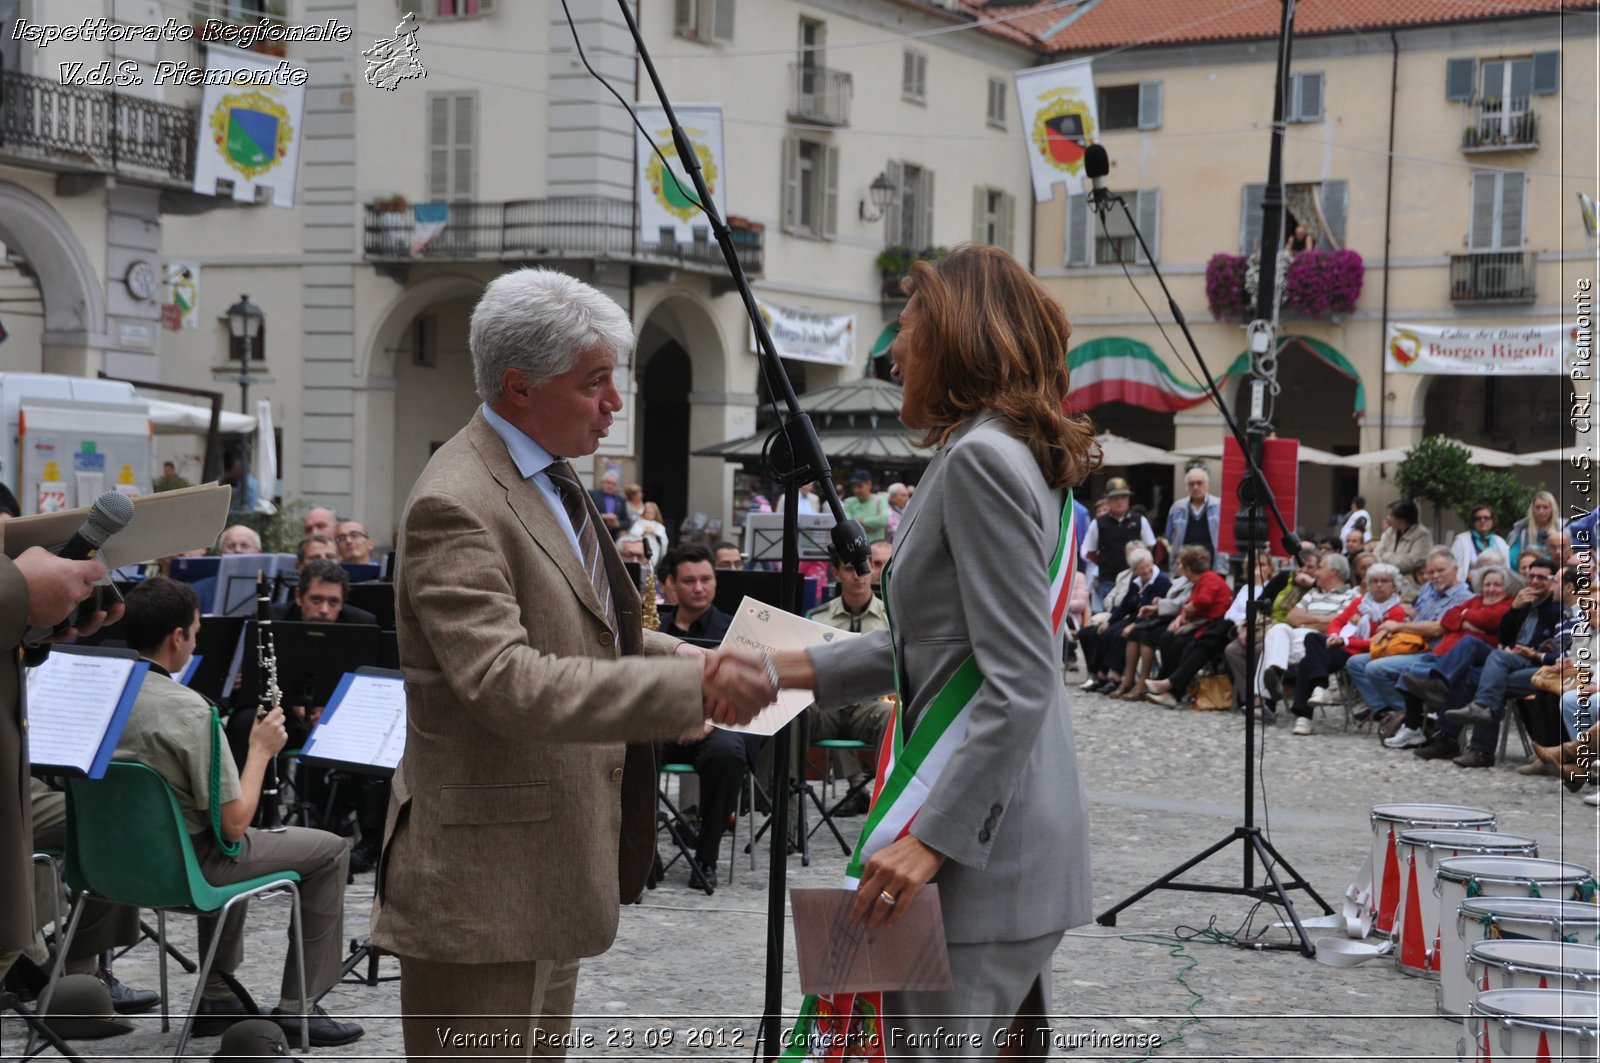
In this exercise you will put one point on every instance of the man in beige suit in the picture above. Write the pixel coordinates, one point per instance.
(519, 818)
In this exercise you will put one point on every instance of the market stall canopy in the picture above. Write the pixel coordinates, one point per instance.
(1494, 459)
(856, 420)
(177, 417)
(1311, 454)
(1116, 450)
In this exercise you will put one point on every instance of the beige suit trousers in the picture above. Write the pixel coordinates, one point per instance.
(487, 1010)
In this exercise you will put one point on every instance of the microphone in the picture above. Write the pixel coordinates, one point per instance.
(1096, 165)
(110, 513)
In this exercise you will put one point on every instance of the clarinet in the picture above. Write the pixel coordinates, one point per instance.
(269, 814)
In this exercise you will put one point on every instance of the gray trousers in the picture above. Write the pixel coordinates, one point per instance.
(994, 982)
(323, 861)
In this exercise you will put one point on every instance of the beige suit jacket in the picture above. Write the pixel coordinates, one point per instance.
(514, 829)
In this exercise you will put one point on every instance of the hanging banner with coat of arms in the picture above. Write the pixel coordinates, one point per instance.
(808, 336)
(1531, 350)
(1059, 119)
(668, 204)
(249, 131)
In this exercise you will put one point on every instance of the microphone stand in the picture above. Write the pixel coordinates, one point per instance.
(807, 463)
(1251, 528)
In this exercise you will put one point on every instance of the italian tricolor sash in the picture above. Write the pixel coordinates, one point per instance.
(848, 1026)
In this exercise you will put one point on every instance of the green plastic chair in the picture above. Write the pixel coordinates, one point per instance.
(127, 843)
(826, 814)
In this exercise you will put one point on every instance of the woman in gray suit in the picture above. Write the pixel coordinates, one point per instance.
(983, 797)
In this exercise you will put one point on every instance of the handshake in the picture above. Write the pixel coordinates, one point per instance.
(736, 684)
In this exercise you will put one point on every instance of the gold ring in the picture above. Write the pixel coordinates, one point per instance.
(887, 898)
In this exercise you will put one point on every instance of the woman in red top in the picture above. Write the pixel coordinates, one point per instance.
(1198, 634)
(1477, 617)
(1349, 633)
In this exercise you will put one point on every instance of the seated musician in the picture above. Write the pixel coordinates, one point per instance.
(320, 596)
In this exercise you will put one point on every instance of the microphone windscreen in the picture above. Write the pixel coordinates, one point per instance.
(110, 513)
(1096, 163)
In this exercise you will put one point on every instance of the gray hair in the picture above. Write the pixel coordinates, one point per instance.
(539, 322)
(1444, 552)
(1136, 556)
(1338, 563)
(1489, 557)
(1513, 582)
(1383, 568)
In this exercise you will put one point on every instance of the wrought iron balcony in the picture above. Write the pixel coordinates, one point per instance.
(558, 227)
(75, 128)
(819, 94)
(1500, 124)
(1492, 277)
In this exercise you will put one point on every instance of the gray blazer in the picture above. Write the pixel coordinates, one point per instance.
(969, 575)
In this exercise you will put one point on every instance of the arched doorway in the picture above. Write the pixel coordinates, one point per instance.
(1519, 414)
(434, 394)
(1316, 404)
(664, 386)
(74, 313)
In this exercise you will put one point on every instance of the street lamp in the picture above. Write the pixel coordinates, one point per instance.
(244, 327)
(882, 191)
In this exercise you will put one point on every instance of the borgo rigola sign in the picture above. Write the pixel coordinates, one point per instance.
(1538, 350)
(808, 336)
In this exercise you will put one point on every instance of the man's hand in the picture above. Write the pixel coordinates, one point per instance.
(268, 734)
(736, 686)
(1334, 642)
(609, 520)
(1177, 622)
(1526, 651)
(1147, 610)
(1388, 627)
(1526, 596)
(55, 585)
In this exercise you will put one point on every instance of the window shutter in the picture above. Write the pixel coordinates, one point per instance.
(438, 148)
(1460, 76)
(1149, 105)
(1512, 201)
(722, 21)
(1250, 219)
(925, 201)
(830, 192)
(980, 215)
(1481, 237)
(1077, 230)
(1008, 221)
(1335, 209)
(791, 183)
(464, 162)
(1149, 209)
(1308, 92)
(891, 217)
(684, 17)
(1546, 73)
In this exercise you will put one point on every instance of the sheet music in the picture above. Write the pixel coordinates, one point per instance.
(163, 524)
(764, 628)
(71, 700)
(365, 723)
(836, 955)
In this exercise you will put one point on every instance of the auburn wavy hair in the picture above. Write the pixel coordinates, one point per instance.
(990, 337)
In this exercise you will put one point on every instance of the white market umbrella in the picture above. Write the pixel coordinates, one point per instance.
(1119, 451)
(1311, 454)
(1495, 459)
(178, 417)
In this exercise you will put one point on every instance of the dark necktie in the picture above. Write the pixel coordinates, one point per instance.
(572, 498)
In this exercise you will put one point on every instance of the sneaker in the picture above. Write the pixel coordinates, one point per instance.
(1440, 747)
(1473, 713)
(1406, 738)
(1324, 695)
(1302, 725)
(1090, 685)
(1475, 758)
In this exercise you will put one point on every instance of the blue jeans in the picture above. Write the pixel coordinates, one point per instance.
(1468, 653)
(1498, 670)
(1377, 679)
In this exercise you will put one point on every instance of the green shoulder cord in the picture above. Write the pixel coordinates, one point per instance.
(229, 849)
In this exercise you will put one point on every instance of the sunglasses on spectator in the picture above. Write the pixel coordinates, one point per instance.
(1483, 516)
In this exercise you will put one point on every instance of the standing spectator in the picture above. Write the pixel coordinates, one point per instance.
(355, 545)
(650, 527)
(612, 506)
(319, 520)
(1111, 533)
(1405, 544)
(1355, 542)
(633, 502)
(1357, 519)
(1530, 533)
(1196, 520)
(871, 509)
(1480, 537)
(899, 497)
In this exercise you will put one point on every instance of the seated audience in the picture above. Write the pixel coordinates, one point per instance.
(1143, 636)
(1347, 634)
(1479, 537)
(1397, 644)
(1284, 645)
(1197, 635)
(1531, 533)
(1136, 588)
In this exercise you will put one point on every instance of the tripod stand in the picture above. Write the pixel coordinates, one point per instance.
(1255, 496)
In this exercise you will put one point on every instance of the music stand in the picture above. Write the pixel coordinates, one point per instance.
(312, 658)
(375, 598)
(216, 645)
(194, 569)
(765, 587)
(362, 571)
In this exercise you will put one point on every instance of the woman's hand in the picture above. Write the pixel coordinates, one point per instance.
(1334, 642)
(900, 869)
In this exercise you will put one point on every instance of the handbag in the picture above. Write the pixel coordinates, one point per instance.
(1554, 680)
(1212, 693)
(1398, 644)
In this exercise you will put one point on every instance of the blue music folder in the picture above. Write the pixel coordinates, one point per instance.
(78, 701)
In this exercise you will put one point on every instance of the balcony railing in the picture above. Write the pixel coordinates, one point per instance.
(74, 127)
(1492, 277)
(819, 94)
(559, 227)
(1500, 124)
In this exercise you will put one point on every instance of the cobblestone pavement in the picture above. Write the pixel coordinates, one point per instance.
(1162, 786)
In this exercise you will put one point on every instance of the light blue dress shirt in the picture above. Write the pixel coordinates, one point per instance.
(531, 461)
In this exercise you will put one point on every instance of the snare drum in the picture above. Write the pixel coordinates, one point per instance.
(1462, 877)
(1544, 1024)
(1510, 919)
(1534, 965)
(1416, 920)
(1388, 821)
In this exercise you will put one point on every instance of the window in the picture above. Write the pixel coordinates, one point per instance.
(914, 76)
(708, 21)
(1499, 206)
(1305, 98)
(1130, 106)
(995, 112)
(452, 157)
(1324, 205)
(810, 187)
(1084, 234)
(910, 220)
(993, 216)
(438, 10)
(1538, 74)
